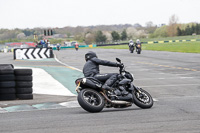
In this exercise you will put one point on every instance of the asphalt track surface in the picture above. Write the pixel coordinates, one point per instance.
(171, 78)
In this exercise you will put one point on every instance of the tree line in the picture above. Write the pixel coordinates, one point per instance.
(100, 38)
(189, 30)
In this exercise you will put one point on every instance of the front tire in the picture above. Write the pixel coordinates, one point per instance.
(90, 100)
(143, 99)
(139, 51)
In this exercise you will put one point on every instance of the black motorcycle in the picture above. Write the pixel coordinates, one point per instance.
(131, 47)
(138, 48)
(93, 98)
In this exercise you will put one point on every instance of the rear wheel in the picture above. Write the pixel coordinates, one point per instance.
(142, 99)
(91, 100)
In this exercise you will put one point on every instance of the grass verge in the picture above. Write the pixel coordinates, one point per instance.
(184, 47)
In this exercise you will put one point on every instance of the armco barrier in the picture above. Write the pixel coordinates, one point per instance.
(33, 53)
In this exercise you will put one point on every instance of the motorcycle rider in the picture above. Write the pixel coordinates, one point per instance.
(91, 69)
(76, 46)
(131, 41)
(137, 42)
(131, 45)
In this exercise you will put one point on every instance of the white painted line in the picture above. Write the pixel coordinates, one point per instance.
(66, 64)
(71, 104)
(3, 110)
(155, 100)
(186, 77)
(188, 73)
(44, 83)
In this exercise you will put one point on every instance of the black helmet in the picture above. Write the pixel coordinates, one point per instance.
(90, 55)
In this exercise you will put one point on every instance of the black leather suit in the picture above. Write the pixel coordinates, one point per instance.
(91, 69)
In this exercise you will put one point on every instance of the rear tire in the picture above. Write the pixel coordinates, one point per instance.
(24, 96)
(7, 84)
(7, 90)
(24, 90)
(23, 78)
(90, 100)
(25, 72)
(7, 97)
(21, 84)
(8, 77)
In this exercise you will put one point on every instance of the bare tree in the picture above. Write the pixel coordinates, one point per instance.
(149, 24)
(172, 28)
(108, 35)
(131, 32)
(21, 36)
(89, 38)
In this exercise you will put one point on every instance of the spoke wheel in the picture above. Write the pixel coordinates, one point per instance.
(142, 99)
(91, 100)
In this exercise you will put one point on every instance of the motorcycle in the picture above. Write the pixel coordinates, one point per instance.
(131, 47)
(76, 47)
(93, 98)
(138, 48)
(58, 47)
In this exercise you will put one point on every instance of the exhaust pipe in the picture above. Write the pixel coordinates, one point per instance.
(115, 101)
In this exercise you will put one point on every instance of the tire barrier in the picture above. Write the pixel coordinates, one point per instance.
(33, 53)
(7, 82)
(23, 78)
(15, 83)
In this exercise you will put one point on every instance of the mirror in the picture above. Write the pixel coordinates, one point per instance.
(118, 60)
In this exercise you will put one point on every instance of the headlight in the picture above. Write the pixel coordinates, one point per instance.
(132, 76)
(129, 76)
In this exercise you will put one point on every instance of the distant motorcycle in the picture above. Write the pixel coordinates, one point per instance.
(93, 98)
(76, 47)
(138, 48)
(131, 47)
(58, 46)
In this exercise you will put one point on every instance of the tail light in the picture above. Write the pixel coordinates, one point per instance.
(77, 82)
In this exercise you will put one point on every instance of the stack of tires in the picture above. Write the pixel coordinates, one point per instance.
(23, 78)
(7, 82)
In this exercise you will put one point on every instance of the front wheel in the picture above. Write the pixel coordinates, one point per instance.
(90, 100)
(142, 99)
(138, 51)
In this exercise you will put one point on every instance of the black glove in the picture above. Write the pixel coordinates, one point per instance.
(120, 65)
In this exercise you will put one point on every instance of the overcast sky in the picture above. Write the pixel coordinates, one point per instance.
(61, 13)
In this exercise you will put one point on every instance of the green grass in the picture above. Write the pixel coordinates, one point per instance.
(171, 38)
(184, 47)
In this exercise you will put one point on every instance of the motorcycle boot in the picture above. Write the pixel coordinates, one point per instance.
(123, 91)
(106, 87)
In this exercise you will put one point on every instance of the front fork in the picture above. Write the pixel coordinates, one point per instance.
(133, 87)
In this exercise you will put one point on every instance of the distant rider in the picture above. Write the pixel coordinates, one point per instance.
(137, 42)
(58, 46)
(76, 46)
(131, 43)
(131, 46)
